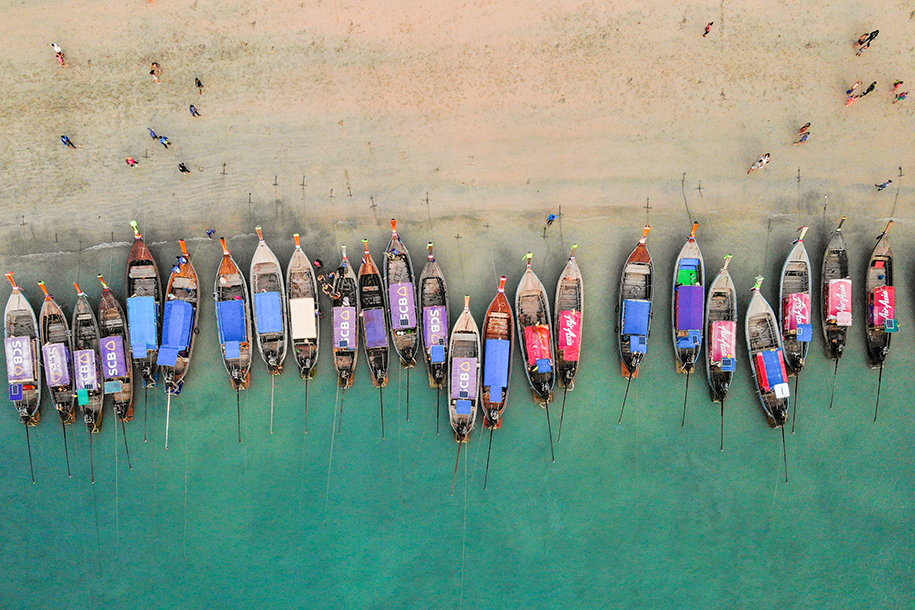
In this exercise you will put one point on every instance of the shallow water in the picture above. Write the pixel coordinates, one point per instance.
(645, 514)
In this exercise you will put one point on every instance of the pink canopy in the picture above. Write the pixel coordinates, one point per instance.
(723, 340)
(797, 310)
(569, 334)
(883, 307)
(840, 301)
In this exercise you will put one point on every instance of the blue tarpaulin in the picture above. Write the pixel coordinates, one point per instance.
(464, 407)
(689, 263)
(690, 307)
(773, 366)
(176, 324)
(231, 318)
(437, 354)
(544, 365)
(495, 366)
(168, 356)
(233, 350)
(637, 316)
(269, 308)
(638, 344)
(142, 319)
(376, 335)
(805, 333)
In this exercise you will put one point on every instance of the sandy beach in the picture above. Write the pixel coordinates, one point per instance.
(501, 112)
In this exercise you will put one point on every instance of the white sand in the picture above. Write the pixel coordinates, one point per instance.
(493, 108)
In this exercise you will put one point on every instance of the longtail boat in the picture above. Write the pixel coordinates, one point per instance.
(535, 334)
(374, 328)
(23, 364)
(144, 301)
(721, 334)
(767, 361)
(795, 318)
(233, 319)
(433, 301)
(881, 306)
(399, 279)
(344, 294)
(463, 382)
(498, 348)
(570, 302)
(269, 310)
(687, 309)
(86, 362)
(116, 370)
(57, 350)
(636, 290)
(179, 327)
(304, 311)
(836, 290)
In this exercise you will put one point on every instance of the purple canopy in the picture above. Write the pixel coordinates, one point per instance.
(376, 335)
(690, 307)
(113, 364)
(56, 364)
(464, 378)
(435, 325)
(345, 327)
(19, 359)
(85, 370)
(403, 305)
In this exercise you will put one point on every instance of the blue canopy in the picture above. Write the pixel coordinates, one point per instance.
(231, 318)
(805, 333)
(464, 407)
(437, 354)
(637, 316)
(168, 356)
(176, 324)
(142, 319)
(269, 309)
(495, 366)
(233, 350)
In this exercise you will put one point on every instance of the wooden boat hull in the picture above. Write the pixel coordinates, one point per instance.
(463, 383)
(794, 299)
(434, 321)
(569, 310)
(143, 282)
(182, 311)
(23, 362)
(535, 336)
(57, 348)
(233, 321)
(87, 363)
(687, 300)
(374, 326)
(764, 341)
(880, 303)
(268, 307)
(399, 281)
(720, 335)
(498, 351)
(636, 287)
(346, 322)
(117, 371)
(304, 309)
(835, 268)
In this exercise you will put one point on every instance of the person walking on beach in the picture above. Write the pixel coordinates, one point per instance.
(759, 164)
(59, 54)
(183, 168)
(152, 134)
(165, 141)
(708, 28)
(901, 96)
(880, 187)
(155, 72)
(199, 86)
(853, 87)
(870, 88)
(551, 219)
(803, 139)
(896, 85)
(804, 129)
(193, 110)
(131, 161)
(67, 142)
(210, 233)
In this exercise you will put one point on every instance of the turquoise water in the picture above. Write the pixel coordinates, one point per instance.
(640, 515)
